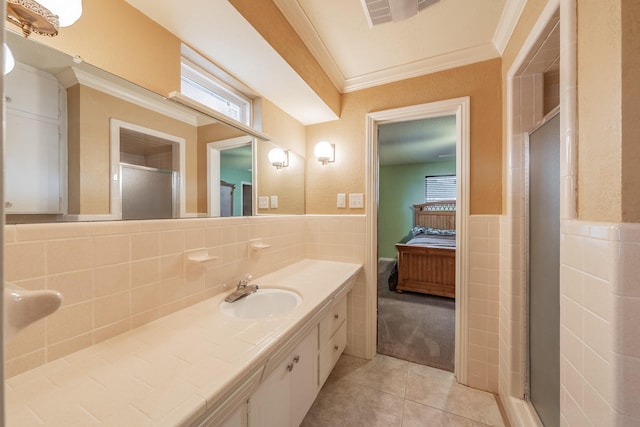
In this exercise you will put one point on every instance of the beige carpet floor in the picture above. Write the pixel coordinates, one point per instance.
(415, 327)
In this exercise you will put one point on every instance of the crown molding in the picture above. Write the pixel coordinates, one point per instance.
(156, 103)
(508, 21)
(302, 25)
(434, 64)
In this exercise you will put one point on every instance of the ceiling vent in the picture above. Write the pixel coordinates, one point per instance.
(381, 11)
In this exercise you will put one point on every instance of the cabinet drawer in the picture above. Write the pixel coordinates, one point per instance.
(330, 353)
(330, 323)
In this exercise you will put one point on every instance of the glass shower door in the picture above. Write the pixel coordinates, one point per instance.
(544, 271)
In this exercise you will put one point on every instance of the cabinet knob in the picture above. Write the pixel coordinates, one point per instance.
(296, 359)
(290, 367)
(336, 316)
(8, 204)
(336, 347)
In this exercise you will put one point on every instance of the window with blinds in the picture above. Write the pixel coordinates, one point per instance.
(441, 187)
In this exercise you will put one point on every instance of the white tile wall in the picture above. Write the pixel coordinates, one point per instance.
(600, 313)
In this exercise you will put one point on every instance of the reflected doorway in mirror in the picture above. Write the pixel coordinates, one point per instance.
(230, 161)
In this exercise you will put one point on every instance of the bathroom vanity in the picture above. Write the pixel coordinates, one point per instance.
(200, 366)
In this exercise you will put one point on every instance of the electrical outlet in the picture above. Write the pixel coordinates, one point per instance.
(274, 202)
(356, 200)
(342, 200)
(263, 202)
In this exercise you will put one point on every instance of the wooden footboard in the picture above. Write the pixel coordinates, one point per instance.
(426, 270)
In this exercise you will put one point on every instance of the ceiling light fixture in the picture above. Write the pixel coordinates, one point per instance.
(44, 17)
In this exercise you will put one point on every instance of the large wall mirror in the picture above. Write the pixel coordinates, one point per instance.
(84, 144)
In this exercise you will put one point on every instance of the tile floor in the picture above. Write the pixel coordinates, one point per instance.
(391, 392)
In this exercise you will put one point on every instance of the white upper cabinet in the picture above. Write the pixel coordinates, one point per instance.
(33, 91)
(35, 127)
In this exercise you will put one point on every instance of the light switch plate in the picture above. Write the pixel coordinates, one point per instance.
(263, 202)
(274, 202)
(342, 200)
(356, 200)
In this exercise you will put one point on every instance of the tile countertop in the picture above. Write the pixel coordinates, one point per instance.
(170, 371)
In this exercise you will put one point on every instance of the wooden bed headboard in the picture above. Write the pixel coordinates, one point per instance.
(441, 214)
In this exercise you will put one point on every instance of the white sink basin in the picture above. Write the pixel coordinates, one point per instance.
(267, 302)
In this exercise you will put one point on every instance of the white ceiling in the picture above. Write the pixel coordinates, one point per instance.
(447, 34)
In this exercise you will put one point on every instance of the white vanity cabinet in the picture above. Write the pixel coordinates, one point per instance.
(332, 338)
(35, 126)
(289, 389)
(237, 419)
(232, 410)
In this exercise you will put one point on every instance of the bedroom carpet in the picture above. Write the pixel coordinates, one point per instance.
(415, 327)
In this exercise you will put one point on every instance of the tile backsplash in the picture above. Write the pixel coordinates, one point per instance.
(116, 276)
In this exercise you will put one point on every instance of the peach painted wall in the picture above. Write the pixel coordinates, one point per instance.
(116, 37)
(608, 43)
(284, 130)
(599, 109)
(267, 19)
(630, 111)
(480, 81)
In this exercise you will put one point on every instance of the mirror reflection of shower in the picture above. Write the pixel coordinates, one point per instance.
(147, 178)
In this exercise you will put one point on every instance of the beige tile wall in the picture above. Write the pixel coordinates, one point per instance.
(119, 275)
(342, 238)
(484, 293)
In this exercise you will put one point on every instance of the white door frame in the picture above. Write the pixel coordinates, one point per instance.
(460, 108)
(213, 168)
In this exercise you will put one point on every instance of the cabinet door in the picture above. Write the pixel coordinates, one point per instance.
(237, 419)
(32, 164)
(270, 404)
(304, 380)
(286, 395)
(33, 91)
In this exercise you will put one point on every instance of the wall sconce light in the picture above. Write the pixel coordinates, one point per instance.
(278, 158)
(43, 17)
(325, 152)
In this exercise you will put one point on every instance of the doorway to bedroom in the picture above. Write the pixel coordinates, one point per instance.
(416, 241)
(460, 108)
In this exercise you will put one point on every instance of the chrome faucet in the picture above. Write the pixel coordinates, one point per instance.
(242, 290)
(244, 281)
